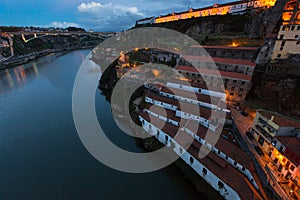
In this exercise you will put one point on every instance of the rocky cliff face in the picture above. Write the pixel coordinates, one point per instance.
(254, 24)
(267, 22)
(278, 88)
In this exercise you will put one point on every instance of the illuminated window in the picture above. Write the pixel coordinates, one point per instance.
(292, 167)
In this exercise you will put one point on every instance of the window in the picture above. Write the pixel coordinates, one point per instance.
(191, 160)
(298, 42)
(221, 185)
(243, 168)
(292, 167)
(281, 48)
(296, 36)
(219, 152)
(166, 137)
(282, 43)
(293, 28)
(298, 28)
(235, 163)
(226, 157)
(281, 37)
(180, 150)
(279, 55)
(204, 171)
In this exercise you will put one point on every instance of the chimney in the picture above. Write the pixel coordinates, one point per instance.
(272, 118)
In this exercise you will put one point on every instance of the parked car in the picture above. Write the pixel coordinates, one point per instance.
(259, 151)
(249, 135)
(244, 113)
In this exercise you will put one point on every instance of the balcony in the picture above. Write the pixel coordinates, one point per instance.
(263, 131)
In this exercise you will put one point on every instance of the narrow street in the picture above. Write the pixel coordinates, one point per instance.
(243, 124)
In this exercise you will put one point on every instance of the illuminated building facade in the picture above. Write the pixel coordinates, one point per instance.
(237, 7)
(288, 38)
(279, 137)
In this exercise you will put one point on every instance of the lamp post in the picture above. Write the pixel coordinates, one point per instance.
(291, 193)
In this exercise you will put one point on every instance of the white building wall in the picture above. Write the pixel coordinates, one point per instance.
(188, 100)
(161, 104)
(163, 118)
(227, 192)
(197, 90)
(225, 157)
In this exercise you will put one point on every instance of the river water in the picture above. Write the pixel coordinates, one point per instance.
(41, 155)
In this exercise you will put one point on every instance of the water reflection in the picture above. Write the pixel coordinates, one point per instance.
(18, 76)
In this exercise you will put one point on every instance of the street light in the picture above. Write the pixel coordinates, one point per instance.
(291, 193)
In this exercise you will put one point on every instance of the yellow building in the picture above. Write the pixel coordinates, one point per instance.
(288, 38)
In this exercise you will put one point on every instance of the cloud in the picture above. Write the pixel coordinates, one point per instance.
(109, 16)
(64, 24)
(116, 15)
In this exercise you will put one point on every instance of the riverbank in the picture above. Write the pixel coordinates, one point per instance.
(35, 56)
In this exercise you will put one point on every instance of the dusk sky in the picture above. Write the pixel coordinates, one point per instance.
(104, 15)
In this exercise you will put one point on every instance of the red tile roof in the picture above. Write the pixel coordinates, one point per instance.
(222, 144)
(195, 110)
(226, 47)
(212, 162)
(191, 95)
(198, 85)
(280, 120)
(220, 60)
(231, 75)
(163, 112)
(162, 99)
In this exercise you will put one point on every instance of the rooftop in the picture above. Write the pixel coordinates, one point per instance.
(230, 75)
(226, 47)
(222, 144)
(162, 99)
(279, 119)
(212, 162)
(199, 85)
(191, 95)
(220, 60)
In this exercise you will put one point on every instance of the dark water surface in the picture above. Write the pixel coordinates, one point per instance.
(41, 155)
